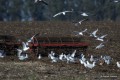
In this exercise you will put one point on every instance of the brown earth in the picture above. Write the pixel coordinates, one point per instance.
(13, 69)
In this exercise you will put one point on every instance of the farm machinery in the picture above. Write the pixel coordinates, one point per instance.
(43, 45)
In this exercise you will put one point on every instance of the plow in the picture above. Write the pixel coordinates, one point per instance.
(43, 45)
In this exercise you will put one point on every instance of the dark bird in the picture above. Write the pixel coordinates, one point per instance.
(41, 1)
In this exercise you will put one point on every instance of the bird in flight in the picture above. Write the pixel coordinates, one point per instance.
(80, 22)
(80, 33)
(41, 1)
(64, 13)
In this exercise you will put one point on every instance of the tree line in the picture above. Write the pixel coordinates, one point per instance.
(27, 10)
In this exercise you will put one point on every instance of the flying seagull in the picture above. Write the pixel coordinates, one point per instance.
(31, 39)
(84, 14)
(101, 38)
(80, 33)
(100, 46)
(80, 22)
(41, 1)
(64, 13)
(94, 33)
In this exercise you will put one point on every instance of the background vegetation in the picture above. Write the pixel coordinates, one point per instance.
(27, 10)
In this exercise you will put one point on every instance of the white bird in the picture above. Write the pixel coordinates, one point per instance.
(73, 54)
(100, 46)
(89, 65)
(64, 13)
(107, 59)
(80, 33)
(61, 57)
(80, 22)
(23, 57)
(39, 56)
(91, 58)
(118, 64)
(84, 14)
(53, 58)
(101, 38)
(25, 47)
(19, 52)
(81, 61)
(94, 33)
(70, 59)
(31, 39)
(2, 53)
(83, 58)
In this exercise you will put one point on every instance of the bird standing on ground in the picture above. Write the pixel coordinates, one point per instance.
(118, 64)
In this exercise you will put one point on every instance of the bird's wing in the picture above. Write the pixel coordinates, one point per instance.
(57, 14)
(30, 40)
(84, 30)
(103, 36)
(24, 45)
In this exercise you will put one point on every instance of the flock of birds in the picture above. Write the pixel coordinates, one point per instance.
(69, 58)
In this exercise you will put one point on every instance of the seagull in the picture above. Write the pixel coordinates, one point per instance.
(100, 46)
(84, 14)
(19, 52)
(61, 57)
(25, 47)
(23, 56)
(64, 12)
(42, 1)
(73, 54)
(89, 65)
(118, 64)
(107, 59)
(80, 33)
(91, 58)
(52, 57)
(31, 39)
(81, 61)
(80, 22)
(39, 56)
(2, 53)
(94, 33)
(101, 38)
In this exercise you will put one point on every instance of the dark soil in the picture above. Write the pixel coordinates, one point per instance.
(32, 69)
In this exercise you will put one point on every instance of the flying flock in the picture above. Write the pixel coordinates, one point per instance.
(69, 58)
